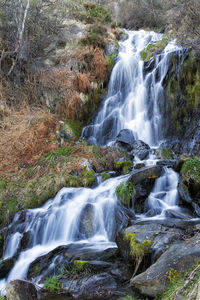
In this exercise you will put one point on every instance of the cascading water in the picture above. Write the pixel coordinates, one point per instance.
(59, 222)
(133, 96)
(133, 102)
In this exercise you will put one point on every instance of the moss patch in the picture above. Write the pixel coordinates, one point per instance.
(124, 167)
(190, 171)
(105, 176)
(137, 250)
(125, 193)
(149, 51)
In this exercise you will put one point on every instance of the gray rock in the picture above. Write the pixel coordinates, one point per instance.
(140, 149)
(125, 139)
(184, 194)
(180, 256)
(145, 173)
(21, 290)
(161, 236)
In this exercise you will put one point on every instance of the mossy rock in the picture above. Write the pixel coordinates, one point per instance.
(125, 193)
(124, 167)
(105, 176)
(71, 128)
(165, 153)
(151, 49)
(137, 249)
(190, 172)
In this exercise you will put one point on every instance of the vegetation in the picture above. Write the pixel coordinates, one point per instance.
(137, 250)
(52, 284)
(190, 171)
(125, 193)
(182, 283)
(124, 167)
(105, 176)
(151, 49)
(97, 13)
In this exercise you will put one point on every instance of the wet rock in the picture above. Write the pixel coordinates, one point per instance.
(183, 192)
(125, 139)
(140, 149)
(160, 235)
(87, 222)
(57, 259)
(21, 290)
(180, 256)
(148, 66)
(5, 267)
(167, 162)
(145, 173)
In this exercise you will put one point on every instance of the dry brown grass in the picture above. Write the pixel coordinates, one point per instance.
(25, 135)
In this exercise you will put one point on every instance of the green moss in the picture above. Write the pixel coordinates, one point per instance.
(137, 249)
(191, 171)
(110, 60)
(62, 151)
(76, 127)
(105, 176)
(164, 153)
(149, 51)
(88, 178)
(80, 264)
(52, 284)
(124, 166)
(125, 193)
(37, 270)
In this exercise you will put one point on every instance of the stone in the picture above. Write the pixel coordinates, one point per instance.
(160, 234)
(87, 226)
(125, 139)
(140, 149)
(180, 256)
(145, 173)
(21, 290)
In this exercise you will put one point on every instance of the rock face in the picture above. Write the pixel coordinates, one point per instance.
(180, 256)
(180, 109)
(21, 290)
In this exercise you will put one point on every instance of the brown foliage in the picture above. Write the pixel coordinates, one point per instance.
(25, 135)
(83, 82)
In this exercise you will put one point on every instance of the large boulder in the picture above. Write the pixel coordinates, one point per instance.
(140, 149)
(125, 139)
(146, 173)
(180, 256)
(21, 290)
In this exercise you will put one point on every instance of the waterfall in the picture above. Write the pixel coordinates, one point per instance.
(133, 102)
(134, 94)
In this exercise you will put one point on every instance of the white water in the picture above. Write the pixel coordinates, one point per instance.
(133, 97)
(132, 102)
(58, 222)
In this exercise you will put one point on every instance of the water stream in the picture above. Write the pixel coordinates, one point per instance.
(133, 102)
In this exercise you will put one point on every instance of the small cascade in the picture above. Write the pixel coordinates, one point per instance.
(74, 215)
(163, 200)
